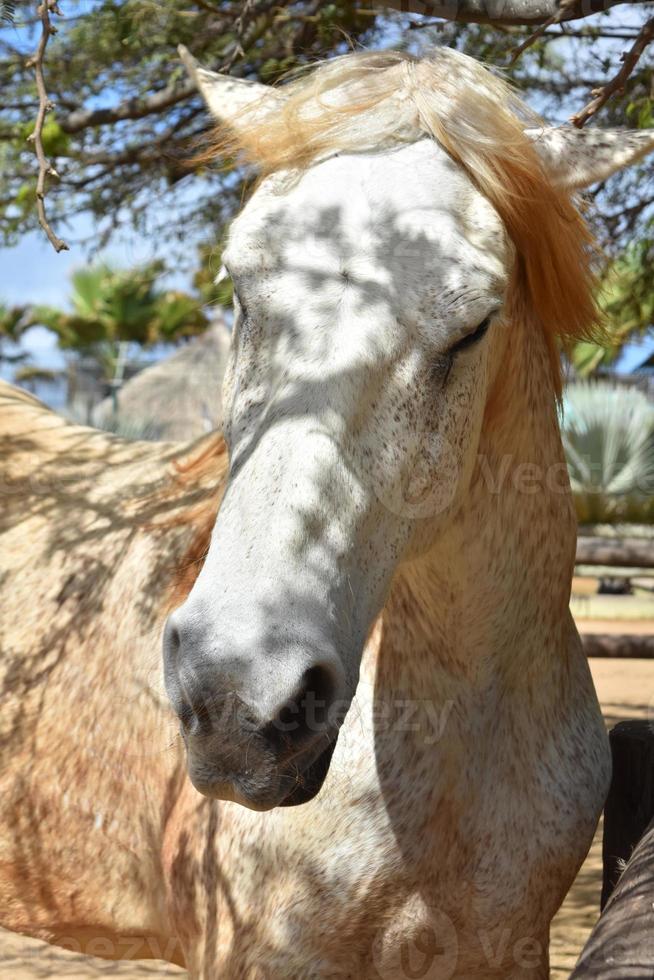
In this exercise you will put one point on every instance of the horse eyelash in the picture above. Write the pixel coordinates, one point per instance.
(443, 365)
(441, 369)
(471, 338)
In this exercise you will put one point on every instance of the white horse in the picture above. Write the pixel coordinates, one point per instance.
(401, 277)
(380, 630)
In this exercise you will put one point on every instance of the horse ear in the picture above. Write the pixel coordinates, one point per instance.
(576, 158)
(226, 96)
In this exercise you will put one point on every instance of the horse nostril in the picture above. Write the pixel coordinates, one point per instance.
(307, 712)
(319, 692)
(185, 692)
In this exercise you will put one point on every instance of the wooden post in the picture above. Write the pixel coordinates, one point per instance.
(621, 946)
(617, 644)
(630, 804)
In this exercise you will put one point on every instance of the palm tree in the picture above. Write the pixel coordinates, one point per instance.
(627, 302)
(115, 309)
(13, 321)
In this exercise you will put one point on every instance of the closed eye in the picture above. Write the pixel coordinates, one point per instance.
(471, 338)
(226, 273)
(239, 305)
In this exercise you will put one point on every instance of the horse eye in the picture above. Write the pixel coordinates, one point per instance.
(471, 338)
(242, 309)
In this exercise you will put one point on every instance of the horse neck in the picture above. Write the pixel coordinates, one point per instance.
(493, 592)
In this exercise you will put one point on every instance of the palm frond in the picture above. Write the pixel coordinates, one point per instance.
(7, 11)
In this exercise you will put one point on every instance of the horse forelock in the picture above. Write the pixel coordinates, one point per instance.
(369, 101)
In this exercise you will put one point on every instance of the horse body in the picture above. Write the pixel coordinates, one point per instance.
(108, 849)
(381, 872)
(396, 538)
(87, 776)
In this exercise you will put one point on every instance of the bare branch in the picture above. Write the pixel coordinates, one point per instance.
(592, 33)
(46, 169)
(629, 61)
(130, 109)
(508, 13)
(554, 19)
(171, 95)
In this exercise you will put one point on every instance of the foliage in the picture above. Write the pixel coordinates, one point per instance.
(608, 437)
(112, 308)
(627, 301)
(29, 375)
(12, 321)
(125, 113)
(126, 117)
(12, 324)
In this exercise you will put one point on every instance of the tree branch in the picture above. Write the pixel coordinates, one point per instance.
(629, 61)
(509, 13)
(130, 109)
(46, 169)
(172, 94)
(556, 18)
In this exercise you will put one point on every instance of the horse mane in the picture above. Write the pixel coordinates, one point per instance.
(366, 101)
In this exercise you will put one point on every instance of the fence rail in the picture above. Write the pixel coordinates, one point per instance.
(621, 552)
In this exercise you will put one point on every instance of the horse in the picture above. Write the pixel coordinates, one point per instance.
(396, 757)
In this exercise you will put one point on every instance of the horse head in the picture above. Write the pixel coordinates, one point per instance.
(404, 209)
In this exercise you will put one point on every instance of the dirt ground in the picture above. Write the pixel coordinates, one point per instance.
(625, 689)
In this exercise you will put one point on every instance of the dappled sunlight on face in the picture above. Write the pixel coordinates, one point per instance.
(353, 286)
(368, 291)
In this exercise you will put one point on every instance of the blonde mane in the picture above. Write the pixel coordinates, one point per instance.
(369, 101)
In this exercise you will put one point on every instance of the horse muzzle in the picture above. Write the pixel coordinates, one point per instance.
(259, 730)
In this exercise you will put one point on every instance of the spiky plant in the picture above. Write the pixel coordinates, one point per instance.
(7, 11)
(608, 436)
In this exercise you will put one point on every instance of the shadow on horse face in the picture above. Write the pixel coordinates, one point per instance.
(352, 429)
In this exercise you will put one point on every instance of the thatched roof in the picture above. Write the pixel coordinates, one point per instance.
(178, 398)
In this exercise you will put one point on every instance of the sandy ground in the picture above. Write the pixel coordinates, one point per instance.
(625, 689)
